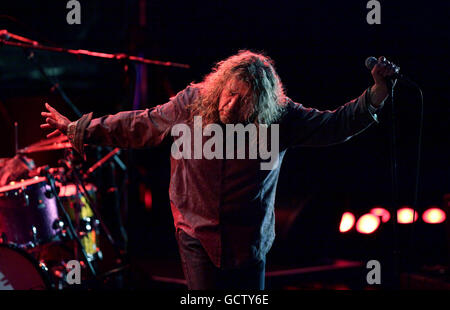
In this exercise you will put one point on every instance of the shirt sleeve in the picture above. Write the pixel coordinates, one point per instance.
(132, 129)
(311, 127)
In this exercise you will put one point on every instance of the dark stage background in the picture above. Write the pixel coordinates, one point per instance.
(319, 48)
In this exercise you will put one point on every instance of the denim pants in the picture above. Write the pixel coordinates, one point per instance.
(202, 274)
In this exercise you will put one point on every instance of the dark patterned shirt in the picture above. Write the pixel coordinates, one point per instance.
(227, 204)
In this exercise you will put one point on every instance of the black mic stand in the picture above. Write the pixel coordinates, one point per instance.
(395, 189)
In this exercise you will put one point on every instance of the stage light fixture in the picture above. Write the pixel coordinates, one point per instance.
(347, 222)
(381, 212)
(367, 223)
(405, 215)
(434, 215)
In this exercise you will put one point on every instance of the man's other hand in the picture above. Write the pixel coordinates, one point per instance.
(54, 120)
(383, 70)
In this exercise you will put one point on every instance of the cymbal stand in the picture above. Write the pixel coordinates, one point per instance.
(80, 185)
(66, 218)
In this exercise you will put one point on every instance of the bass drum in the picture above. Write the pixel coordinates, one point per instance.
(20, 271)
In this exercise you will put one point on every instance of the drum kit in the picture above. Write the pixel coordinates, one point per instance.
(48, 217)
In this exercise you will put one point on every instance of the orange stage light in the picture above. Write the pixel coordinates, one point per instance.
(367, 224)
(381, 212)
(347, 222)
(405, 215)
(434, 215)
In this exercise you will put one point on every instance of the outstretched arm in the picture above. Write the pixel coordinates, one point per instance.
(130, 129)
(311, 127)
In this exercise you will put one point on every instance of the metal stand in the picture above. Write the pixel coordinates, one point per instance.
(93, 206)
(72, 232)
(395, 194)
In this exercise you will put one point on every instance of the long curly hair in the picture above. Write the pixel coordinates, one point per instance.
(265, 102)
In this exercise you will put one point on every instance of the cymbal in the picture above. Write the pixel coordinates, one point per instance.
(57, 143)
(58, 139)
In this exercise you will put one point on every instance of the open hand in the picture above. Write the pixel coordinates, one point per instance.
(54, 120)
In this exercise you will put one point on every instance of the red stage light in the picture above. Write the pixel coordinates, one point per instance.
(381, 212)
(347, 222)
(367, 223)
(405, 215)
(148, 199)
(434, 216)
(145, 196)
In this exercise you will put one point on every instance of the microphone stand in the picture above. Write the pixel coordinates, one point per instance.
(54, 86)
(395, 189)
(29, 44)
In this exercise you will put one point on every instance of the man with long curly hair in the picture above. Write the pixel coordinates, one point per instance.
(223, 208)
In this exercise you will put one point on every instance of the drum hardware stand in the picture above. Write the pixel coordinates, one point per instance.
(29, 46)
(113, 188)
(93, 205)
(80, 185)
(72, 232)
(5, 37)
(34, 234)
(114, 152)
(16, 138)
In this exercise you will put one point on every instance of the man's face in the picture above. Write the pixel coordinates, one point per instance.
(234, 92)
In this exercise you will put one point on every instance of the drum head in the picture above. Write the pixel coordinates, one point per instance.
(19, 271)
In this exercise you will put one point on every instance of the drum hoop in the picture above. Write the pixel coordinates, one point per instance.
(21, 184)
(45, 276)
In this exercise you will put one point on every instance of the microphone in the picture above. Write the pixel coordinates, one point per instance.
(372, 61)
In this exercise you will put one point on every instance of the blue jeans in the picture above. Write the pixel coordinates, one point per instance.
(202, 274)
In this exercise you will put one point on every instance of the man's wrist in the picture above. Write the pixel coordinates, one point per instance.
(71, 130)
(378, 94)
